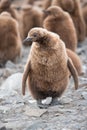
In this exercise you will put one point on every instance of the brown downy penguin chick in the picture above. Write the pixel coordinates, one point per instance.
(5, 5)
(38, 3)
(83, 2)
(10, 43)
(48, 66)
(84, 10)
(76, 61)
(47, 3)
(32, 17)
(66, 5)
(60, 22)
(73, 7)
(31, 2)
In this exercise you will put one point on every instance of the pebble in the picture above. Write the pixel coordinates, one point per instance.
(84, 95)
(36, 112)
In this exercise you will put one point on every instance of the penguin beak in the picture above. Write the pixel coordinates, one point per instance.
(46, 12)
(28, 39)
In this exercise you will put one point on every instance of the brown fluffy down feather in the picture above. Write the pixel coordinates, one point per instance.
(76, 60)
(10, 43)
(47, 3)
(5, 5)
(84, 10)
(31, 2)
(32, 17)
(48, 65)
(73, 7)
(60, 22)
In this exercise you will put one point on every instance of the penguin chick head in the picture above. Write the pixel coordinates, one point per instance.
(5, 3)
(40, 36)
(67, 5)
(54, 11)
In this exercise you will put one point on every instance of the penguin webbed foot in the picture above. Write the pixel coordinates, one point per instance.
(42, 106)
(55, 101)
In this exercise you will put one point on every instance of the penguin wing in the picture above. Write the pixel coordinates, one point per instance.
(73, 72)
(25, 75)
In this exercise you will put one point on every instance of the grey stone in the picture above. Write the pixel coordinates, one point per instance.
(84, 95)
(36, 112)
(38, 125)
(12, 85)
(10, 64)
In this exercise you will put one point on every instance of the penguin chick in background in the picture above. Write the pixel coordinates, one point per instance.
(84, 11)
(47, 3)
(60, 22)
(5, 5)
(76, 61)
(32, 17)
(47, 68)
(73, 7)
(10, 42)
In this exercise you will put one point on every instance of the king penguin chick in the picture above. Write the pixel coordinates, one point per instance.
(32, 17)
(5, 5)
(48, 66)
(47, 3)
(60, 22)
(76, 61)
(31, 2)
(84, 11)
(10, 42)
(73, 7)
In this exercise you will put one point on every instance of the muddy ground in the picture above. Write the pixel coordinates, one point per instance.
(21, 113)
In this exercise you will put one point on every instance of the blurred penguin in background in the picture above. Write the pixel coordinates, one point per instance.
(73, 7)
(10, 42)
(5, 5)
(60, 22)
(84, 11)
(32, 17)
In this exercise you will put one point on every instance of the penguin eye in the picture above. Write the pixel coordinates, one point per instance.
(35, 35)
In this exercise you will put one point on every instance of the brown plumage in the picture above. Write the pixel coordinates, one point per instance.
(48, 66)
(47, 3)
(60, 22)
(32, 17)
(38, 3)
(10, 43)
(31, 2)
(76, 61)
(73, 7)
(5, 5)
(84, 10)
(83, 2)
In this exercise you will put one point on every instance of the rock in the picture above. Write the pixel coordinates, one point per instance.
(36, 112)
(12, 85)
(1, 72)
(84, 95)
(65, 129)
(3, 128)
(38, 125)
(10, 65)
(66, 100)
(7, 72)
(4, 109)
